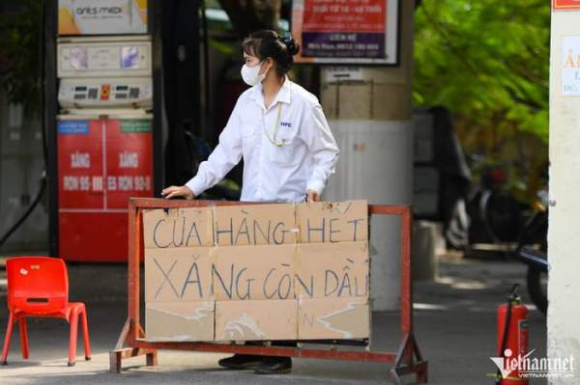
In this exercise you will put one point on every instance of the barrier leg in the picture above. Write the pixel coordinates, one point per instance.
(120, 353)
(409, 361)
(151, 358)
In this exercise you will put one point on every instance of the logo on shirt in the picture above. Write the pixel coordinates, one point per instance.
(286, 124)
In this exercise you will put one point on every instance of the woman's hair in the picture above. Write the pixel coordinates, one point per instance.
(268, 43)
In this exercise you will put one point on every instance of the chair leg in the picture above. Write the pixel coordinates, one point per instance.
(74, 327)
(23, 337)
(7, 339)
(86, 340)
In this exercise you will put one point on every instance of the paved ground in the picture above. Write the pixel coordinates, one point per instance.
(455, 322)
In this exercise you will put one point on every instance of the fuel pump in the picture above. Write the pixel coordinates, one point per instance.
(106, 127)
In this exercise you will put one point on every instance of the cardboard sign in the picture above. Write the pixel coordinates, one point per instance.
(187, 227)
(236, 273)
(173, 275)
(256, 320)
(179, 321)
(338, 270)
(254, 273)
(254, 225)
(332, 222)
(333, 319)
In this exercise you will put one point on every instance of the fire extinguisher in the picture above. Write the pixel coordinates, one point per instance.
(512, 337)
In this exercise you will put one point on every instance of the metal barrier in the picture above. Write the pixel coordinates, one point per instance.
(132, 341)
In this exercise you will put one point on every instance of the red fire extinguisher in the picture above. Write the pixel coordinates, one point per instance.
(512, 338)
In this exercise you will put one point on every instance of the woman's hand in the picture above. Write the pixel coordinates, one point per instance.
(312, 196)
(178, 192)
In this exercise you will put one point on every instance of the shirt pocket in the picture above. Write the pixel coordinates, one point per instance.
(285, 151)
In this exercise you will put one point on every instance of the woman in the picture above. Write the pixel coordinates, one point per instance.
(282, 134)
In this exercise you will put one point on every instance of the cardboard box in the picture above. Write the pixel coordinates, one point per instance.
(254, 272)
(257, 283)
(179, 274)
(332, 270)
(324, 222)
(256, 320)
(187, 227)
(255, 225)
(180, 321)
(333, 319)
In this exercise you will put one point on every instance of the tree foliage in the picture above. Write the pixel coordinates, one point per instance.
(486, 60)
(20, 54)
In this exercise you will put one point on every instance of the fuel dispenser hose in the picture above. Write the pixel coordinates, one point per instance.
(27, 213)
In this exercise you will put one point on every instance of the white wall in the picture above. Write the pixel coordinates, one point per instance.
(564, 232)
(376, 163)
(371, 117)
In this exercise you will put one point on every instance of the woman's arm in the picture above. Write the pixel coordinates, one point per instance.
(323, 149)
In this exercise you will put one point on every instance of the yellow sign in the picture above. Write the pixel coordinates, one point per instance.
(99, 17)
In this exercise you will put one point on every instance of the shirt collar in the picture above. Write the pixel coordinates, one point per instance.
(283, 96)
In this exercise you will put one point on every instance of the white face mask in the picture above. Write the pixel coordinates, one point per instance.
(251, 76)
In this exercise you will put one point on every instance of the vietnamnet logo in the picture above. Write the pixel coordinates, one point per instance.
(518, 367)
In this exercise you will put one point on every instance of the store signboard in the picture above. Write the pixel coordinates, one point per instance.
(347, 32)
(566, 4)
(102, 17)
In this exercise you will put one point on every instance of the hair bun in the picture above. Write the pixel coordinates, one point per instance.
(291, 46)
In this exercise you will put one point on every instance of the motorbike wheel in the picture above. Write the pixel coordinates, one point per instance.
(537, 281)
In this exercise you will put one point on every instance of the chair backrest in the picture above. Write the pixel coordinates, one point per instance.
(37, 284)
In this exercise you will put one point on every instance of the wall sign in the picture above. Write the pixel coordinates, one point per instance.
(347, 32)
(566, 4)
(571, 66)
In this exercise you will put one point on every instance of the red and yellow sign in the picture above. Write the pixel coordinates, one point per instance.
(337, 15)
(566, 4)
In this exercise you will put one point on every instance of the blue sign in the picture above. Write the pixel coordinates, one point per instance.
(73, 127)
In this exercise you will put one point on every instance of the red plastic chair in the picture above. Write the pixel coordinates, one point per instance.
(38, 287)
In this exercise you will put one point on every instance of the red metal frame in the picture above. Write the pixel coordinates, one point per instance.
(132, 342)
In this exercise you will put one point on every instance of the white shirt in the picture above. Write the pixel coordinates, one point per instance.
(303, 160)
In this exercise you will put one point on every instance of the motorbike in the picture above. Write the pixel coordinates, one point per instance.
(532, 250)
(493, 222)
